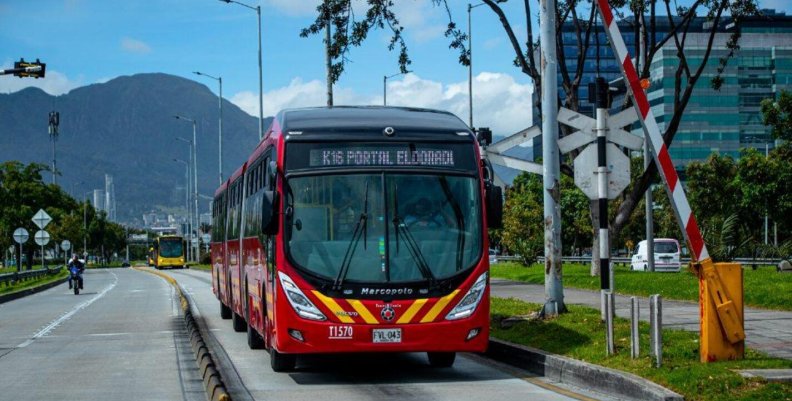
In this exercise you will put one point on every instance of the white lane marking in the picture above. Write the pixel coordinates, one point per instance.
(127, 334)
(66, 316)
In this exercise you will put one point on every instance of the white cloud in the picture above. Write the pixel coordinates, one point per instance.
(421, 19)
(54, 82)
(500, 102)
(297, 8)
(135, 46)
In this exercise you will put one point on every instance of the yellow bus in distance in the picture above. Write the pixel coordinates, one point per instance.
(168, 251)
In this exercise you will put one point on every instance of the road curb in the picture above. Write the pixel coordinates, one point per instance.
(581, 374)
(213, 382)
(30, 291)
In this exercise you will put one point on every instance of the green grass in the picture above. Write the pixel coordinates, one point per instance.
(201, 267)
(23, 285)
(580, 334)
(764, 288)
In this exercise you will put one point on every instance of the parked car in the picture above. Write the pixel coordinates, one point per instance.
(666, 256)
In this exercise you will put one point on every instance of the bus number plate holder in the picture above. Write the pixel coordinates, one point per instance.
(387, 335)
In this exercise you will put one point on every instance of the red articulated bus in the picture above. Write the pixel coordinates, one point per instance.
(358, 229)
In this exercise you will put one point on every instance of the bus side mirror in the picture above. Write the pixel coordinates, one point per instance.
(494, 199)
(269, 220)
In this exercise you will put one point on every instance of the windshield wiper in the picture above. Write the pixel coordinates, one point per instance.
(460, 220)
(412, 246)
(361, 228)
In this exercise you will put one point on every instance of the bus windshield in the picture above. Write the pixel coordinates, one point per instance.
(384, 227)
(170, 248)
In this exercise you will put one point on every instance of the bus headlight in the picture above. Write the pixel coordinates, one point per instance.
(301, 304)
(470, 301)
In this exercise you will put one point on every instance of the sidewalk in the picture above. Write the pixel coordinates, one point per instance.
(765, 330)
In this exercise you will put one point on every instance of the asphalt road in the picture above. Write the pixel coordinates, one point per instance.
(356, 377)
(120, 339)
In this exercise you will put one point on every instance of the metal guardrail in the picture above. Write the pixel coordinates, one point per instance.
(27, 274)
(626, 260)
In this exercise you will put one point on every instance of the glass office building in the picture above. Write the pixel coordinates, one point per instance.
(722, 121)
(726, 120)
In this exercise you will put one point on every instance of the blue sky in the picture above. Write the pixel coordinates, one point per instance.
(90, 41)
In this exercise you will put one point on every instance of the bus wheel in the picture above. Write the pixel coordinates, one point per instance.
(441, 359)
(238, 322)
(254, 339)
(225, 312)
(282, 362)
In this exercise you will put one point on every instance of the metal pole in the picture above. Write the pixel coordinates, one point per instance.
(384, 90)
(602, 184)
(261, 86)
(635, 316)
(54, 163)
(470, 66)
(610, 306)
(220, 135)
(765, 217)
(554, 291)
(649, 212)
(195, 186)
(656, 328)
(328, 64)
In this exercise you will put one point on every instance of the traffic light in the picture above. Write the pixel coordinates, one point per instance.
(29, 69)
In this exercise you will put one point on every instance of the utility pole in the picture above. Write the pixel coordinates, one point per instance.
(54, 121)
(554, 290)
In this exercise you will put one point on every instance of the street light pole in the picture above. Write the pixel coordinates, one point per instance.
(220, 125)
(470, 63)
(195, 171)
(385, 85)
(261, 86)
(187, 202)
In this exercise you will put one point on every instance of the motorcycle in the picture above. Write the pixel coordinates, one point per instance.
(75, 279)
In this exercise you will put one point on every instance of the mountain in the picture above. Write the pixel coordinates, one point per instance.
(126, 128)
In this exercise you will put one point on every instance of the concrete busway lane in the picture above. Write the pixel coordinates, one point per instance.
(117, 340)
(358, 377)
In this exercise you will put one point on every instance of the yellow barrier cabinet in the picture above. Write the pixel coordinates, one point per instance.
(721, 307)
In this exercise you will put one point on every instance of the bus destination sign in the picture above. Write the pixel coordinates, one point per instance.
(368, 156)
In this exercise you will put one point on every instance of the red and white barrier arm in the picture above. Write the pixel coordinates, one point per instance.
(678, 199)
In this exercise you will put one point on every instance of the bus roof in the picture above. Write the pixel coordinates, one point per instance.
(370, 121)
(219, 191)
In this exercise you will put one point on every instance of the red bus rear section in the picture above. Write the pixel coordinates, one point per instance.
(358, 229)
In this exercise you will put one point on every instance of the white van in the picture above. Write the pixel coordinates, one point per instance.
(666, 256)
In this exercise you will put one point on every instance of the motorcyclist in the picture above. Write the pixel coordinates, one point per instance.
(75, 264)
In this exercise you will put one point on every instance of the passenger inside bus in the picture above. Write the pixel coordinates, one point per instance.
(423, 214)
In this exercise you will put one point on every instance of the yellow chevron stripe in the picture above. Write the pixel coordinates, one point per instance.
(363, 311)
(411, 311)
(438, 307)
(334, 307)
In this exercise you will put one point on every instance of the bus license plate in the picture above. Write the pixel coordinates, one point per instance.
(387, 335)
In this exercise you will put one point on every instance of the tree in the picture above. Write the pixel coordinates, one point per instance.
(778, 115)
(522, 232)
(687, 72)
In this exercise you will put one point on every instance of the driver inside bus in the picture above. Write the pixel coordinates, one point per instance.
(422, 214)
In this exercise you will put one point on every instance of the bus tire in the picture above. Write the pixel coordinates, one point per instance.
(254, 339)
(238, 322)
(441, 359)
(282, 362)
(225, 312)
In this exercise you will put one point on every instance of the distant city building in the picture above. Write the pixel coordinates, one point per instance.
(110, 201)
(726, 120)
(99, 199)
